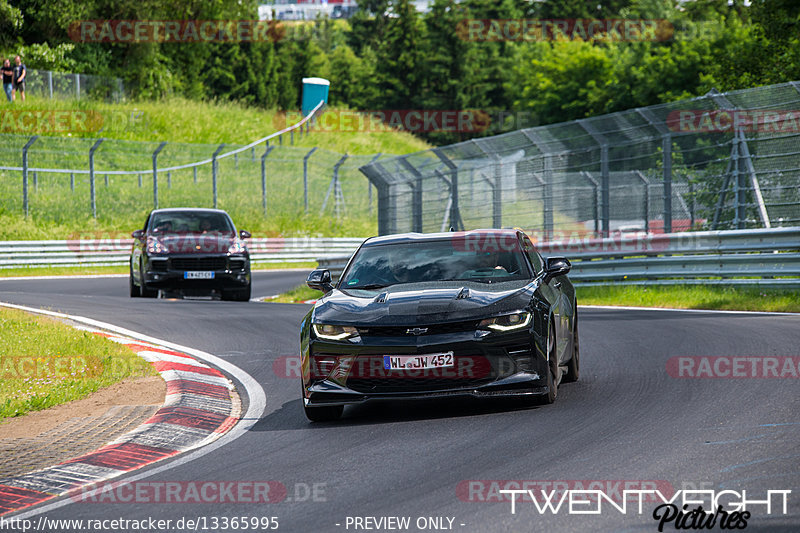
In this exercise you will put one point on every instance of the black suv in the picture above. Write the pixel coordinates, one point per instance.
(192, 251)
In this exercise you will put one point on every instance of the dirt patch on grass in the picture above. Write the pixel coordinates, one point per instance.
(141, 391)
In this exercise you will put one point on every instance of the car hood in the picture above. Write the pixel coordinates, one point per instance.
(401, 305)
(196, 243)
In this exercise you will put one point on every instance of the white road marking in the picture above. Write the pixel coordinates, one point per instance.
(255, 394)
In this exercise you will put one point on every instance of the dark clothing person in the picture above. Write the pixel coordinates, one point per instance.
(19, 70)
(8, 75)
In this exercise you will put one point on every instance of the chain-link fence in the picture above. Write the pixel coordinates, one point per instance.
(720, 161)
(49, 84)
(115, 181)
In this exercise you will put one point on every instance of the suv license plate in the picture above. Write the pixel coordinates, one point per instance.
(198, 275)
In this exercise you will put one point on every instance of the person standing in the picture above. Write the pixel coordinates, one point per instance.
(8, 76)
(18, 81)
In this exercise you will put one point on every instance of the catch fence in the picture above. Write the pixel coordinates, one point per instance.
(720, 161)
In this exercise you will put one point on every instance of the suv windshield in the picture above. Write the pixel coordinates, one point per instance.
(190, 222)
(442, 260)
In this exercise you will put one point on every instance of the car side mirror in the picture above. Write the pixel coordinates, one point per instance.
(556, 266)
(320, 280)
(138, 234)
(244, 234)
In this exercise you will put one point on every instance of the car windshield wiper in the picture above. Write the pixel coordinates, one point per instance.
(370, 286)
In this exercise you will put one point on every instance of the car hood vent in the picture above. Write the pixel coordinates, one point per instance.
(463, 294)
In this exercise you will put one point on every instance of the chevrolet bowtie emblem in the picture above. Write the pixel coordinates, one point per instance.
(416, 331)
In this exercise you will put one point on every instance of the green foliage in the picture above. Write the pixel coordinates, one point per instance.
(389, 56)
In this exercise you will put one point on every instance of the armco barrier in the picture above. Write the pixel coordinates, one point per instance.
(762, 257)
(106, 252)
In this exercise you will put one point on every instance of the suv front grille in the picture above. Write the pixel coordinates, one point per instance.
(198, 263)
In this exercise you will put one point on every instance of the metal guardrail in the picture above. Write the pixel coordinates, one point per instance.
(764, 257)
(109, 252)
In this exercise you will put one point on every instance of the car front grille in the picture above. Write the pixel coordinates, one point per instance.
(237, 264)
(409, 331)
(198, 263)
(368, 376)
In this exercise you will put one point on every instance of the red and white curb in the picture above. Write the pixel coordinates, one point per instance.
(199, 408)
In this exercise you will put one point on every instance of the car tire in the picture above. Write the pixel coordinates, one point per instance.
(144, 292)
(327, 413)
(552, 364)
(238, 295)
(133, 287)
(574, 364)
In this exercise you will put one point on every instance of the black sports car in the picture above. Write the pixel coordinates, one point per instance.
(192, 251)
(476, 313)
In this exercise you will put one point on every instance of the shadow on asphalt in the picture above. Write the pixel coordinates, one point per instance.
(290, 416)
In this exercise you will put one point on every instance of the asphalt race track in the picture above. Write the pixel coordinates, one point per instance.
(627, 419)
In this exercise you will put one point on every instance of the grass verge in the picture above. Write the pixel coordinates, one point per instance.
(681, 297)
(44, 363)
(714, 297)
(299, 294)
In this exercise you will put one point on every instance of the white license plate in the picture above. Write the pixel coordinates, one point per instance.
(415, 362)
(198, 275)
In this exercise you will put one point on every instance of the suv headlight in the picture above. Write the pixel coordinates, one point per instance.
(334, 333)
(507, 322)
(154, 246)
(237, 248)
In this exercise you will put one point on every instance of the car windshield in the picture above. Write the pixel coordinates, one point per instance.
(453, 259)
(177, 222)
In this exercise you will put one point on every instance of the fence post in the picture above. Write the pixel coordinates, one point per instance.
(78, 86)
(666, 149)
(194, 168)
(35, 181)
(50, 82)
(369, 184)
(236, 161)
(305, 178)
(72, 181)
(155, 173)
(91, 176)
(548, 196)
(595, 211)
(646, 200)
(291, 137)
(169, 180)
(214, 172)
(692, 205)
(25, 173)
(455, 214)
(338, 196)
(416, 196)
(140, 181)
(264, 179)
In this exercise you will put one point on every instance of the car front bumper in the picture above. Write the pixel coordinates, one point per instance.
(487, 366)
(229, 272)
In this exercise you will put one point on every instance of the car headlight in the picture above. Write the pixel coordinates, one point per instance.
(334, 333)
(237, 248)
(154, 246)
(507, 322)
